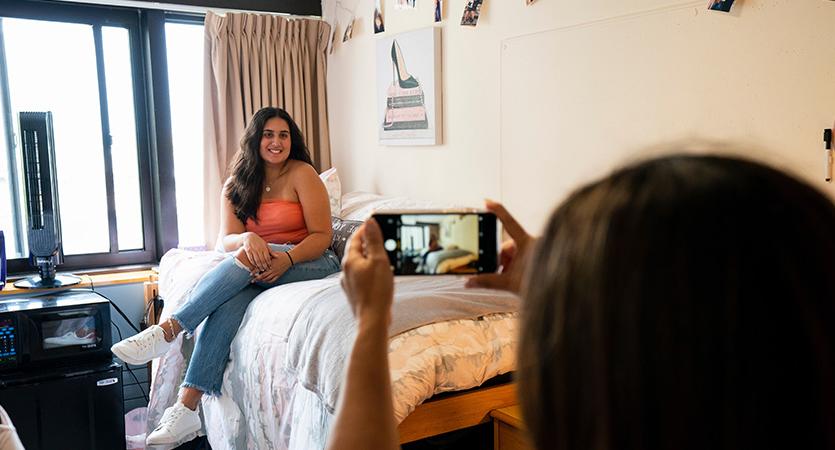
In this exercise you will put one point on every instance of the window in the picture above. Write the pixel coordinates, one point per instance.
(413, 237)
(124, 126)
(184, 47)
(84, 65)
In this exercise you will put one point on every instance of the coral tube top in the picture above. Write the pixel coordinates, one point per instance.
(279, 222)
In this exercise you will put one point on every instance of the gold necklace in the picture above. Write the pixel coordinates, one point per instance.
(280, 173)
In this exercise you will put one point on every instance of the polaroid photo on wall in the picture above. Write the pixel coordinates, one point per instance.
(471, 13)
(720, 5)
(379, 26)
(349, 31)
(405, 4)
(439, 6)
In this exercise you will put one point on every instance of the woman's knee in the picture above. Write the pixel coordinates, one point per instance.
(242, 258)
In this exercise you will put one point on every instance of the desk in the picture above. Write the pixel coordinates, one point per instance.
(509, 430)
(88, 281)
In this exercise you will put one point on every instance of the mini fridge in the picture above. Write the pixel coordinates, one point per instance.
(71, 408)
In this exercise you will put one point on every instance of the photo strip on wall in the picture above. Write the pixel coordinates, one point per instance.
(471, 13)
(720, 5)
(379, 26)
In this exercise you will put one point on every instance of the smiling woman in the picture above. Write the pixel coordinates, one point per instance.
(276, 228)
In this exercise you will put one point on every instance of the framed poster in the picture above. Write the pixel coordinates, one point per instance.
(409, 88)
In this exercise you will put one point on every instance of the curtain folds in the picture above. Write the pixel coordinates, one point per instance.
(252, 61)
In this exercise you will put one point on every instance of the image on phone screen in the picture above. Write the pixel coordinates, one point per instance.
(440, 243)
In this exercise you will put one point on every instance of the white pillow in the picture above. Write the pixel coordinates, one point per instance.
(359, 205)
(331, 179)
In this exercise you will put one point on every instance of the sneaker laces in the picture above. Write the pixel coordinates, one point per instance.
(142, 341)
(168, 420)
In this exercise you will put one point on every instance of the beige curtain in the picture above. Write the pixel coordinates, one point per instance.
(252, 61)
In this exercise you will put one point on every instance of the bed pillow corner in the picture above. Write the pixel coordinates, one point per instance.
(334, 187)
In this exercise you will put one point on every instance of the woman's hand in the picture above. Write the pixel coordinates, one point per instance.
(257, 251)
(366, 276)
(512, 257)
(365, 411)
(279, 263)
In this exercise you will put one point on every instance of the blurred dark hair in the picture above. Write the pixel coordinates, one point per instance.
(247, 185)
(684, 302)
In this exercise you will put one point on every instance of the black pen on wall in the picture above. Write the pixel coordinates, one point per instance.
(827, 150)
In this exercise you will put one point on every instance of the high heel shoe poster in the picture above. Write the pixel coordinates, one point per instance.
(408, 88)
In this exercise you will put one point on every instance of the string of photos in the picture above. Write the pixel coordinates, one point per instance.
(340, 10)
(469, 18)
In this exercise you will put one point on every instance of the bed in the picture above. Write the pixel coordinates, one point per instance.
(286, 362)
(450, 260)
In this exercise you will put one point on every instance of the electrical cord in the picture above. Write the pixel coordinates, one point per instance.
(130, 371)
(114, 305)
(119, 331)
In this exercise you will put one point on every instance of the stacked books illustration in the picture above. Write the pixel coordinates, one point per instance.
(405, 109)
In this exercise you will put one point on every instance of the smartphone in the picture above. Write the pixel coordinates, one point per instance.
(440, 243)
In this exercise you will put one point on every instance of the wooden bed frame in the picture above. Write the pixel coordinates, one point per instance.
(456, 411)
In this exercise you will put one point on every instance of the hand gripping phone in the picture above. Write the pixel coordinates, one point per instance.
(440, 242)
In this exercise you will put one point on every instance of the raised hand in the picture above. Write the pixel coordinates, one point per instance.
(366, 275)
(512, 256)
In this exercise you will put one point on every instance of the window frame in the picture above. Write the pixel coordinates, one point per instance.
(98, 17)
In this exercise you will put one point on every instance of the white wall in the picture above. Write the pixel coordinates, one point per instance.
(476, 160)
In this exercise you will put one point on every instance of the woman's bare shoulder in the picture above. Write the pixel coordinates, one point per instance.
(300, 169)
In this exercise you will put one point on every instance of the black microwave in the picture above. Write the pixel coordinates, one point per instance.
(53, 330)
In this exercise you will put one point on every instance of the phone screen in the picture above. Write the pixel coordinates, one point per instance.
(440, 243)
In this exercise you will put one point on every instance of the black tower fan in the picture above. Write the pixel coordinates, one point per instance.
(38, 146)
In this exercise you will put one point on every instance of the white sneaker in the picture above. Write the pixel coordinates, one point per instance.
(68, 339)
(178, 424)
(143, 347)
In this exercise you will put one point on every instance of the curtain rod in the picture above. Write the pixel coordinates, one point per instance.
(184, 8)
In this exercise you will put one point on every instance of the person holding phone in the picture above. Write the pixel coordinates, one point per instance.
(684, 302)
(275, 224)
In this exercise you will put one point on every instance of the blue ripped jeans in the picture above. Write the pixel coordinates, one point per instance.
(221, 298)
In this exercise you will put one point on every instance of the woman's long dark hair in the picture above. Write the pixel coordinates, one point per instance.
(683, 303)
(247, 185)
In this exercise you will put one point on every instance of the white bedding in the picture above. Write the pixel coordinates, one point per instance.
(263, 405)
